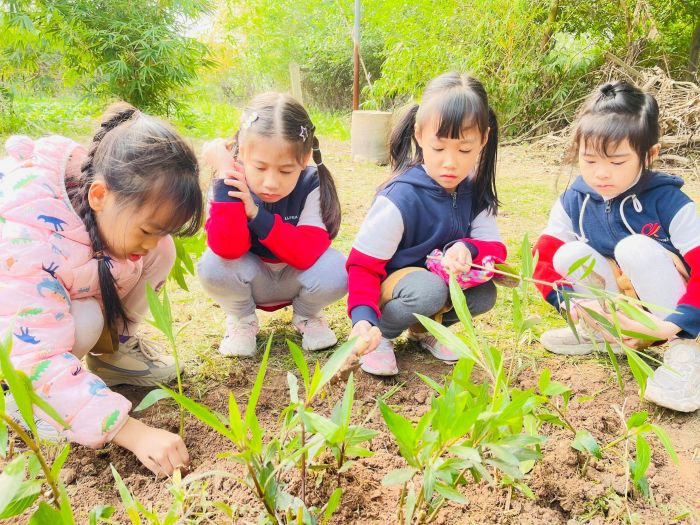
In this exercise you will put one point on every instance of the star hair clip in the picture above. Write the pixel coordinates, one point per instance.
(252, 117)
(303, 133)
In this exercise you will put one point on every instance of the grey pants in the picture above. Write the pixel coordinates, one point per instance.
(239, 285)
(425, 293)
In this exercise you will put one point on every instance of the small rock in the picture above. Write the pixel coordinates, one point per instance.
(420, 397)
(376, 494)
(68, 475)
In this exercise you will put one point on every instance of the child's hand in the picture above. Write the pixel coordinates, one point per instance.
(366, 342)
(457, 259)
(216, 155)
(236, 179)
(365, 331)
(159, 450)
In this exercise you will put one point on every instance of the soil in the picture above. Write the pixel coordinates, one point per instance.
(564, 492)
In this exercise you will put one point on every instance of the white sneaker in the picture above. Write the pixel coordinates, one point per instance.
(564, 342)
(240, 336)
(381, 361)
(677, 386)
(315, 332)
(431, 344)
(45, 431)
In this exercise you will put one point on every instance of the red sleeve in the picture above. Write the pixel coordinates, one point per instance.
(365, 275)
(298, 246)
(687, 314)
(546, 247)
(485, 248)
(227, 230)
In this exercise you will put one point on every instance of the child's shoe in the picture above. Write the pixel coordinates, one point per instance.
(382, 361)
(137, 361)
(677, 386)
(564, 341)
(315, 332)
(45, 431)
(431, 344)
(240, 336)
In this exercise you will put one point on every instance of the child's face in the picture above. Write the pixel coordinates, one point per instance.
(272, 168)
(128, 231)
(449, 161)
(611, 174)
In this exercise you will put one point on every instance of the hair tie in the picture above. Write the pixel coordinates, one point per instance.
(608, 91)
(99, 255)
(319, 164)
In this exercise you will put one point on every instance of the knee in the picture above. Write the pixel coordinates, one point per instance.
(88, 319)
(328, 274)
(423, 292)
(568, 254)
(216, 273)
(482, 298)
(638, 249)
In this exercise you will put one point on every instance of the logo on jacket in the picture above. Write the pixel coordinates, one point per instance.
(651, 229)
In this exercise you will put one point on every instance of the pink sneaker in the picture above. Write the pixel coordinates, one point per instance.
(382, 361)
(240, 337)
(315, 334)
(432, 345)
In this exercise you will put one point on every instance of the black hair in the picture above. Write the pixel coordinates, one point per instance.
(460, 102)
(140, 159)
(614, 112)
(280, 114)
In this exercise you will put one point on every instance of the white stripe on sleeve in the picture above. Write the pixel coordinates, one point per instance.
(311, 214)
(559, 224)
(485, 228)
(381, 231)
(685, 229)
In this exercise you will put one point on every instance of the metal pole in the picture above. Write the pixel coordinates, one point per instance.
(356, 59)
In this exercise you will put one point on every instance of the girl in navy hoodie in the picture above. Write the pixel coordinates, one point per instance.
(637, 228)
(270, 226)
(442, 197)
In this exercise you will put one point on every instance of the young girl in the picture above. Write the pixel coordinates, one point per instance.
(81, 234)
(270, 226)
(639, 230)
(442, 196)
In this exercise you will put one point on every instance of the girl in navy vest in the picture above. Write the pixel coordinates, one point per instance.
(442, 196)
(270, 226)
(638, 229)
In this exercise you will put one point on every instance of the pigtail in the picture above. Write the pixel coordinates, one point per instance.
(485, 195)
(114, 310)
(402, 143)
(330, 203)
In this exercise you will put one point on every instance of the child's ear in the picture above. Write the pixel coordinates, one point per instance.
(97, 195)
(485, 137)
(653, 154)
(417, 134)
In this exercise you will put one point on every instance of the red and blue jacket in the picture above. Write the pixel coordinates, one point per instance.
(655, 206)
(409, 218)
(289, 231)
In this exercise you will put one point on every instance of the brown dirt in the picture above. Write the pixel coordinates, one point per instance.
(564, 492)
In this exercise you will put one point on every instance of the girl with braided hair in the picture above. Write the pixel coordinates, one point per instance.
(82, 232)
(270, 226)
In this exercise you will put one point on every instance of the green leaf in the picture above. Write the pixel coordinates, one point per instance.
(666, 442)
(126, 497)
(636, 314)
(202, 413)
(348, 396)
(27, 493)
(100, 512)
(332, 505)
(332, 366)
(320, 424)
(234, 419)
(151, 399)
(46, 515)
(640, 370)
(585, 442)
(410, 504)
(616, 366)
(60, 461)
(544, 379)
(257, 386)
(636, 419)
(293, 387)
(447, 338)
(459, 303)
(578, 263)
(299, 360)
(399, 476)
(451, 493)
(643, 458)
(431, 383)
(10, 481)
(19, 383)
(402, 430)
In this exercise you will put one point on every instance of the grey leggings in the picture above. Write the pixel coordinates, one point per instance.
(239, 285)
(425, 293)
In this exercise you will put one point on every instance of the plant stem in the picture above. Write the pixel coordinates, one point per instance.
(179, 387)
(261, 494)
(303, 463)
(36, 449)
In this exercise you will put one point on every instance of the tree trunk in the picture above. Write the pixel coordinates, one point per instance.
(549, 28)
(694, 57)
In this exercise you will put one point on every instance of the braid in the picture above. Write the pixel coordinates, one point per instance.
(114, 310)
(330, 204)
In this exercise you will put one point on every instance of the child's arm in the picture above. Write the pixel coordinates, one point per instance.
(376, 242)
(558, 232)
(299, 246)
(227, 230)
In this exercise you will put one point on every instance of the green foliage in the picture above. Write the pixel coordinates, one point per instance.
(139, 52)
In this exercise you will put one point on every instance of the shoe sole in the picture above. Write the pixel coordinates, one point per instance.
(134, 381)
(322, 347)
(658, 397)
(381, 373)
